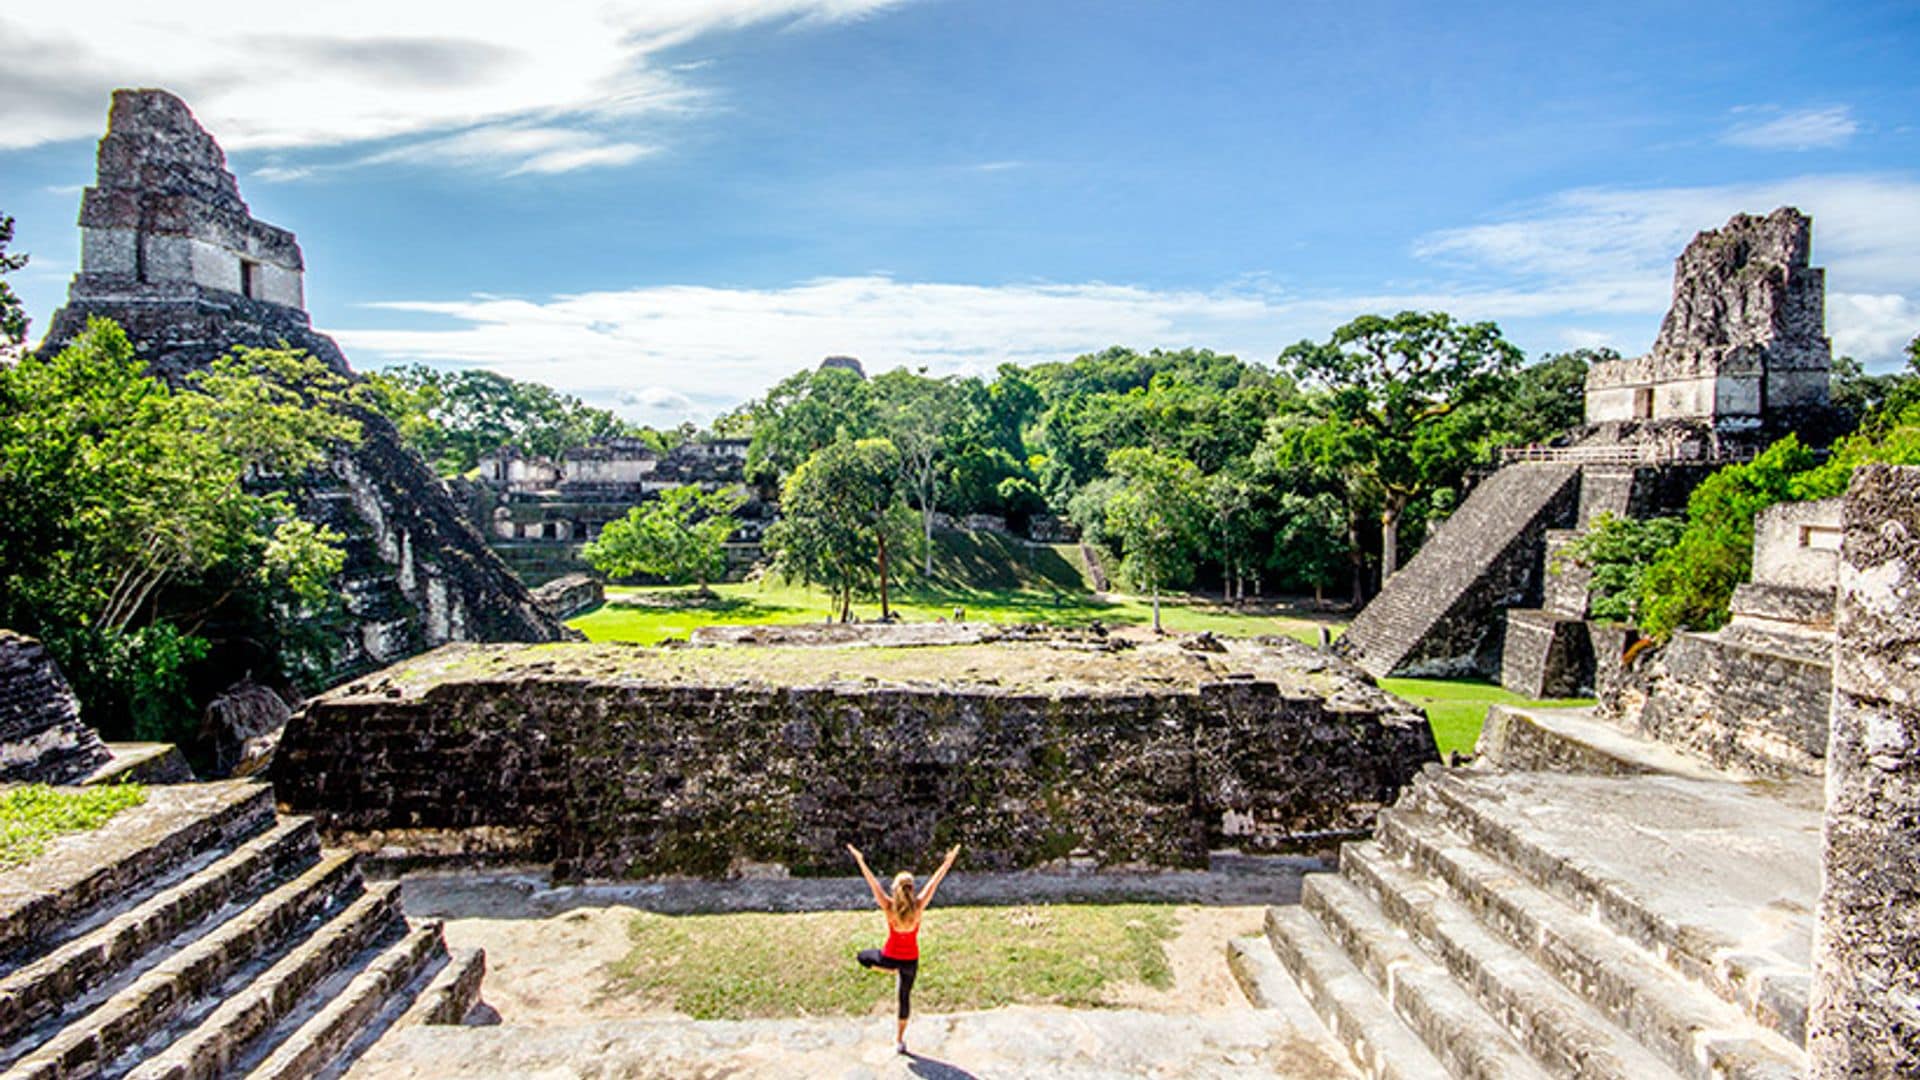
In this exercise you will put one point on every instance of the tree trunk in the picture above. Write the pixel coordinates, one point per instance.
(1357, 555)
(1156, 608)
(1390, 537)
(884, 610)
(926, 521)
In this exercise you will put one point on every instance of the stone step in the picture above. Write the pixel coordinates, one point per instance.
(1258, 971)
(1563, 1032)
(220, 1041)
(1472, 1043)
(1692, 1030)
(1381, 1045)
(340, 1017)
(1713, 879)
(130, 942)
(83, 879)
(451, 994)
(134, 1012)
(1574, 740)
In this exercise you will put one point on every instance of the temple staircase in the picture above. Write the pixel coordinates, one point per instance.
(1438, 613)
(201, 935)
(1646, 917)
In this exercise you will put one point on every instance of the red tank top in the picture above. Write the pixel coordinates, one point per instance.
(901, 944)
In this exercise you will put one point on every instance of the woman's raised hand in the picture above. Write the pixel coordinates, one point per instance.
(953, 854)
(855, 852)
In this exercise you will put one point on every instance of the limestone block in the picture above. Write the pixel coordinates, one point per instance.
(1865, 1017)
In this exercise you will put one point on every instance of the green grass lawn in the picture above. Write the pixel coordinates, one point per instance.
(725, 967)
(34, 814)
(1457, 707)
(650, 615)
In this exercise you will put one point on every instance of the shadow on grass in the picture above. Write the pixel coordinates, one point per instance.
(732, 607)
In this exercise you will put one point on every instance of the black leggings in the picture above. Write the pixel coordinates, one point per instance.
(872, 958)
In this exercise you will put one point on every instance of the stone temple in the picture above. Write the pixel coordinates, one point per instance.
(170, 251)
(1741, 360)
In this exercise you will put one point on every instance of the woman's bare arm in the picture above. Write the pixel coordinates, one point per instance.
(873, 883)
(926, 894)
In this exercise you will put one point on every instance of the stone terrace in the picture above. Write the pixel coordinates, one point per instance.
(201, 935)
(613, 761)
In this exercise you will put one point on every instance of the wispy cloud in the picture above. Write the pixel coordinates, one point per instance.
(1799, 129)
(374, 72)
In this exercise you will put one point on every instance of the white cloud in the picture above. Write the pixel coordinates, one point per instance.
(517, 150)
(290, 76)
(1564, 270)
(1800, 129)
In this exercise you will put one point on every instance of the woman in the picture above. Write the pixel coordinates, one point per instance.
(903, 909)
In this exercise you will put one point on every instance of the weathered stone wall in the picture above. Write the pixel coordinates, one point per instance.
(1545, 655)
(611, 776)
(1865, 1013)
(565, 597)
(42, 739)
(1759, 706)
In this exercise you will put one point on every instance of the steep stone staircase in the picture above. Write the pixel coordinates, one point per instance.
(1436, 613)
(201, 935)
(1654, 921)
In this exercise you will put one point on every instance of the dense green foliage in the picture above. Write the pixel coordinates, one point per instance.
(843, 523)
(32, 814)
(453, 417)
(126, 518)
(1617, 551)
(679, 537)
(1689, 584)
(1297, 470)
(13, 314)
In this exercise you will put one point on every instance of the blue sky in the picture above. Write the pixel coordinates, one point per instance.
(664, 206)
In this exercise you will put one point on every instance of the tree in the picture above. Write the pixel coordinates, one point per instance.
(1616, 552)
(1309, 541)
(1235, 522)
(13, 314)
(1156, 516)
(804, 414)
(843, 523)
(681, 536)
(919, 416)
(1386, 387)
(452, 418)
(124, 502)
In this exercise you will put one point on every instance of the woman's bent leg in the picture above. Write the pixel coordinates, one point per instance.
(870, 958)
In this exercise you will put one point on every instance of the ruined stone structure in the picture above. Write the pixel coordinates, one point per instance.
(537, 512)
(1744, 345)
(1753, 695)
(1741, 359)
(613, 761)
(201, 935)
(42, 739)
(171, 253)
(1866, 994)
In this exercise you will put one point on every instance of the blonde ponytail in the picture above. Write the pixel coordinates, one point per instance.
(903, 903)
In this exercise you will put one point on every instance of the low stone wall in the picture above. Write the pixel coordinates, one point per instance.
(1758, 706)
(1546, 655)
(512, 755)
(564, 597)
(41, 737)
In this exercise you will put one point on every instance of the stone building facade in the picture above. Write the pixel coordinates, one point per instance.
(172, 254)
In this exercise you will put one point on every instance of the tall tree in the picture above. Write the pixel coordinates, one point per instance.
(1385, 386)
(920, 416)
(680, 536)
(843, 523)
(1156, 514)
(803, 414)
(13, 314)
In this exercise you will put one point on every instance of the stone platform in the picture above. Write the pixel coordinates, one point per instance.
(1005, 1044)
(1646, 917)
(201, 935)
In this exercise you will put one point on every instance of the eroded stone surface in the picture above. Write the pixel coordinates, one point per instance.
(41, 736)
(617, 760)
(1866, 999)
